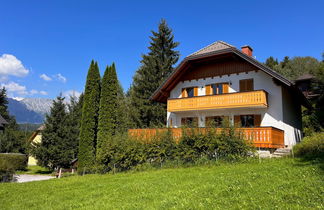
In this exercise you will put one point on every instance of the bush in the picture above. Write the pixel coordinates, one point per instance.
(311, 147)
(9, 163)
(122, 153)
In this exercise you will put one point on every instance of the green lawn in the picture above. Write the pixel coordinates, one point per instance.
(272, 184)
(36, 170)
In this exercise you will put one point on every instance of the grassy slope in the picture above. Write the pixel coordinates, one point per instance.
(272, 184)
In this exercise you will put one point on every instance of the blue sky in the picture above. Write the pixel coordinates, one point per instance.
(46, 46)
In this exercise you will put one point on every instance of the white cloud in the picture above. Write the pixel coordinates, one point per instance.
(67, 94)
(13, 87)
(33, 92)
(61, 78)
(45, 77)
(11, 66)
(42, 92)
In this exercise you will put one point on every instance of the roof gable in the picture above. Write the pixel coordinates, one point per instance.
(218, 45)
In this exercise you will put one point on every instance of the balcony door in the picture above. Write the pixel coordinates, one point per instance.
(217, 88)
(247, 121)
(189, 92)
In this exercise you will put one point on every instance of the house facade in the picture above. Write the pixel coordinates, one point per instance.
(36, 137)
(221, 82)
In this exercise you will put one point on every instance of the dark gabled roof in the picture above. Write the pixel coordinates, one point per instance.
(305, 77)
(222, 48)
(2, 121)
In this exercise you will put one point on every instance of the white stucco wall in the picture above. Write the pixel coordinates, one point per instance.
(271, 116)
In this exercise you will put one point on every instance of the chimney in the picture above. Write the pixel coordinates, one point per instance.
(246, 49)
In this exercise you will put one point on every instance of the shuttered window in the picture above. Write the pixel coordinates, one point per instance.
(247, 120)
(246, 85)
(218, 88)
(216, 121)
(189, 92)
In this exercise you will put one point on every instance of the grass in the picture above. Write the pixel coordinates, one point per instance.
(35, 170)
(271, 184)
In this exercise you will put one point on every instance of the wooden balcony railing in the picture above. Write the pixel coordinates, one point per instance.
(261, 137)
(257, 98)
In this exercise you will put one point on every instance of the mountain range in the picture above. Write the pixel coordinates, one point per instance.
(29, 110)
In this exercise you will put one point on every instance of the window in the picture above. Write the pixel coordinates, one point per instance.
(246, 85)
(215, 121)
(189, 92)
(247, 120)
(218, 88)
(189, 121)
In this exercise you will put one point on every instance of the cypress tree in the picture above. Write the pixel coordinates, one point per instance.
(155, 67)
(89, 121)
(108, 107)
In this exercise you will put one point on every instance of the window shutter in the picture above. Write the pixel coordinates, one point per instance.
(242, 85)
(225, 88)
(184, 93)
(170, 123)
(237, 120)
(257, 120)
(195, 91)
(208, 90)
(249, 85)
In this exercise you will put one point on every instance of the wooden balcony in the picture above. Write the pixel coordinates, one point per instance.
(257, 98)
(261, 137)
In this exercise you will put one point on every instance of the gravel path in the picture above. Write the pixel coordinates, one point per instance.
(30, 178)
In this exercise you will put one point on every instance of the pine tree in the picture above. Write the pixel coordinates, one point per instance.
(89, 121)
(11, 139)
(55, 150)
(156, 66)
(271, 62)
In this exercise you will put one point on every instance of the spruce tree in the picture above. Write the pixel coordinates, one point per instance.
(156, 65)
(107, 123)
(89, 121)
(55, 150)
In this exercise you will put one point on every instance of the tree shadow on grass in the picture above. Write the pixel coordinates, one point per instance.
(302, 162)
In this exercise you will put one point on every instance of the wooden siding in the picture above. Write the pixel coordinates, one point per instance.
(261, 137)
(256, 98)
(213, 69)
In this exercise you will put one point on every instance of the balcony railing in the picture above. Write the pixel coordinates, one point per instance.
(261, 137)
(257, 98)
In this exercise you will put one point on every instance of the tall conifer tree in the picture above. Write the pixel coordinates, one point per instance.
(108, 106)
(89, 122)
(157, 64)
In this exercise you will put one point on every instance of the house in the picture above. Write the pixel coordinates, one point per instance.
(36, 137)
(220, 82)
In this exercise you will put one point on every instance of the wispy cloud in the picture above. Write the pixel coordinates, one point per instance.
(61, 78)
(45, 77)
(11, 66)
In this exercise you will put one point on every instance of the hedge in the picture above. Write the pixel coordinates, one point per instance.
(9, 163)
(311, 147)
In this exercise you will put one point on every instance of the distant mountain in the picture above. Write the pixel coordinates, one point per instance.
(29, 110)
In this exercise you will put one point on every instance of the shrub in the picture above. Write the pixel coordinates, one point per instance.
(311, 147)
(9, 163)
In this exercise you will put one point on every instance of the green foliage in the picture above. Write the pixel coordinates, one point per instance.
(271, 62)
(273, 184)
(122, 153)
(58, 146)
(11, 139)
(156, 65)
(311, 147)
(89, 122)
(9, 163)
